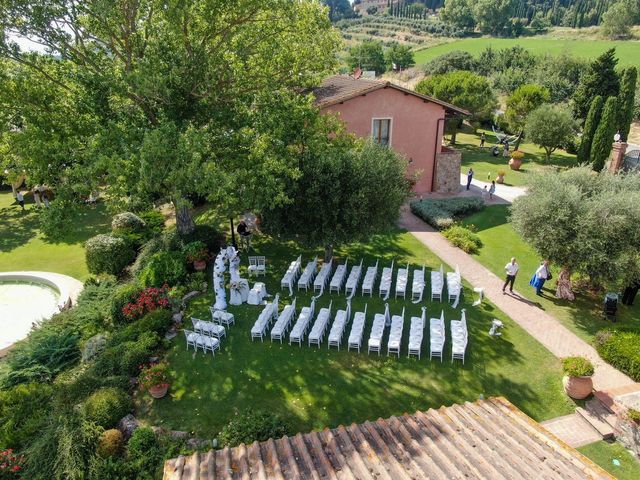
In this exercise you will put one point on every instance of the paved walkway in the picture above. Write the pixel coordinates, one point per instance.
(505, 194)
(573, 430)
(539, 324)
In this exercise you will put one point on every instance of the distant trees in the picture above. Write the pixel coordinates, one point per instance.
(549, 127)
(399, 56)
(339, 9)
(599, 79)
(493, 16)
(603, 138)
(619, 18)
(450, 62)
(464, 89)
(459, 13)
(367, 55)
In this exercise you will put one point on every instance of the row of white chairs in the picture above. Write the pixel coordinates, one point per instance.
(454, 286)
(291, 275)
(201, 340)
(459, 337)
(268, 314)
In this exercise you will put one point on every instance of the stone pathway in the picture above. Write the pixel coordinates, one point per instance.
(505, 194)
(539, 324)
(572, 430)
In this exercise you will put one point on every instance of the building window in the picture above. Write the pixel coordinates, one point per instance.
(382, 131)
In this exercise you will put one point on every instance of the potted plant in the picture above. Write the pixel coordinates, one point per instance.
(634, 416)
(500, 177)
(516, 160)
(577, 377)
(153, 378)
(197, 254)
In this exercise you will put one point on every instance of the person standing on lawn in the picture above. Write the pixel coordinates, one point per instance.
(482, 139)
(469, 177)
(512, 270)
(20, 199)
(542, 275)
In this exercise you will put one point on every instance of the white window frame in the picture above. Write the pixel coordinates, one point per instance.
(390, 128)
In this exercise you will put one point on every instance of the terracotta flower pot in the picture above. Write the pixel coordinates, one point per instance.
(515, 164)
(500, 179)
(159, 391)
(577, 387)
(200, 265)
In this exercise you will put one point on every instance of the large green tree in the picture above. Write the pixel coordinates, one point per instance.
(367, 55)
(187, 81)
(550, 127)
(603, 138)
(400, 56)
(583, 222)
(348, 189)
(494, 16)
(465, 90)
(619, 18)
(459, 13)
(599, 79)
(589, 130)
(626, 101)
(521, 103)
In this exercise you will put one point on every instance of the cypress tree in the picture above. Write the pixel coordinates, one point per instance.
(626, 101)
(603, 138)
(593, 118)
(599, 79)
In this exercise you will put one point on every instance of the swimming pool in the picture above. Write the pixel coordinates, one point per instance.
(21, 304)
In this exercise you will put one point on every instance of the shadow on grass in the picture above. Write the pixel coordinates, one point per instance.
(18, 227)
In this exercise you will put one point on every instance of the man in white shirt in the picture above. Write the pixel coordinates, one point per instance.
(512, 270)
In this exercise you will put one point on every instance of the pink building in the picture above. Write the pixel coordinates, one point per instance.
(410, 123)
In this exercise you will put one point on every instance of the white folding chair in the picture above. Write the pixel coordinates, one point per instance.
(320, 283)
(257, 265)
(357, 330)
(284, 320)
(401, 282)
(395, 335)
(377, 330)
(337, 329)
(192, 338)
(354, 279)
(299, 330)
(338, 278)
(370, 280)
(385, 281)
(416, 334)
(437, 283)
(417, 286)
(308, 274)
(320, 326)
(437, 336)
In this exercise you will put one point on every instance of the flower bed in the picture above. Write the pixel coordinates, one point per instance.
(442, 214)
(147, 301)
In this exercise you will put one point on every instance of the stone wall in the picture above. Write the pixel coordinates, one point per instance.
(448, 171)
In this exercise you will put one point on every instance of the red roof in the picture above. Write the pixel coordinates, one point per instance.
(340, 88)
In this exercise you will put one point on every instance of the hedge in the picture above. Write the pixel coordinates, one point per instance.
(164, 267)
(108, 254)
(622, 350)
(442, 213)
(463, 238)
(127, 222)
(106, 406)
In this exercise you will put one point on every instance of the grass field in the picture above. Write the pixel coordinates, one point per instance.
(22, 247)
(604, 453)
(319, 387)
(628, 52)
(485, 165)
(501, 242)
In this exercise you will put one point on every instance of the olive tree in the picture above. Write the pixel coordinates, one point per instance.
(583, 221)
(549, 127)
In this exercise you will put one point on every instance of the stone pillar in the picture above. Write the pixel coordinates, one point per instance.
(617, 156)
(448, 171)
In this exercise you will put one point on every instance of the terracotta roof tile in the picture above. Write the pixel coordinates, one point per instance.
(487, 439)
(340, 88)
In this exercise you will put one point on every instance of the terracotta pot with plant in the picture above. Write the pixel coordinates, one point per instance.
(197, 254)
(516, 160)
(633, 416)
(500, 177)
(577, 379)
(153, 378)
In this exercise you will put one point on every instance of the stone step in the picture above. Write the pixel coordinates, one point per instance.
(598, 417)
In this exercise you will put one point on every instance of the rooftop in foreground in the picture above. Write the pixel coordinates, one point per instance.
(487, 439)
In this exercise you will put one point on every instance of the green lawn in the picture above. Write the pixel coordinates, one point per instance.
(22, 247)
(501, 242)
(318, 388)
(627, 51)
(604, 453)
(486, 165)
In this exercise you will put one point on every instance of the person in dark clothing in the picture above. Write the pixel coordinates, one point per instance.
(482, 139)
(469, 178)
(629, 294)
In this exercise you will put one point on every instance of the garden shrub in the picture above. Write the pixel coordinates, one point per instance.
(122, 296)
(127, 222)
(108, 254)
(621, 349)
(91, 312)
(23, 411)
(148, 300)
(166, 242)
(253, 425)
(43, 354)
(55, 221)
(154, 221)
(208, 235)
(164, 268)
(11, 465)
(157, 321)
(106, 406)
(463, 238)
(74, 385)
(144, 450)
(442, 214)
(125, 358)
(110, 444)
(577, 367)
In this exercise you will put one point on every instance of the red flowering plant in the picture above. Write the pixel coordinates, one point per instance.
(153, 376)
(10, 465)
(146, 301)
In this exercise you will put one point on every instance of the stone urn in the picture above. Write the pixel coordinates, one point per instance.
(500, 177)
(159, 391)
(200, 265)
(578, 387)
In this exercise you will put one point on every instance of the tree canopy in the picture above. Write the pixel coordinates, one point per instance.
(182, 100)
(549, 127)
(585, 222)
(599, 79)
(400, 56)
(523, 101)
(367, 55)
(461, 88)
